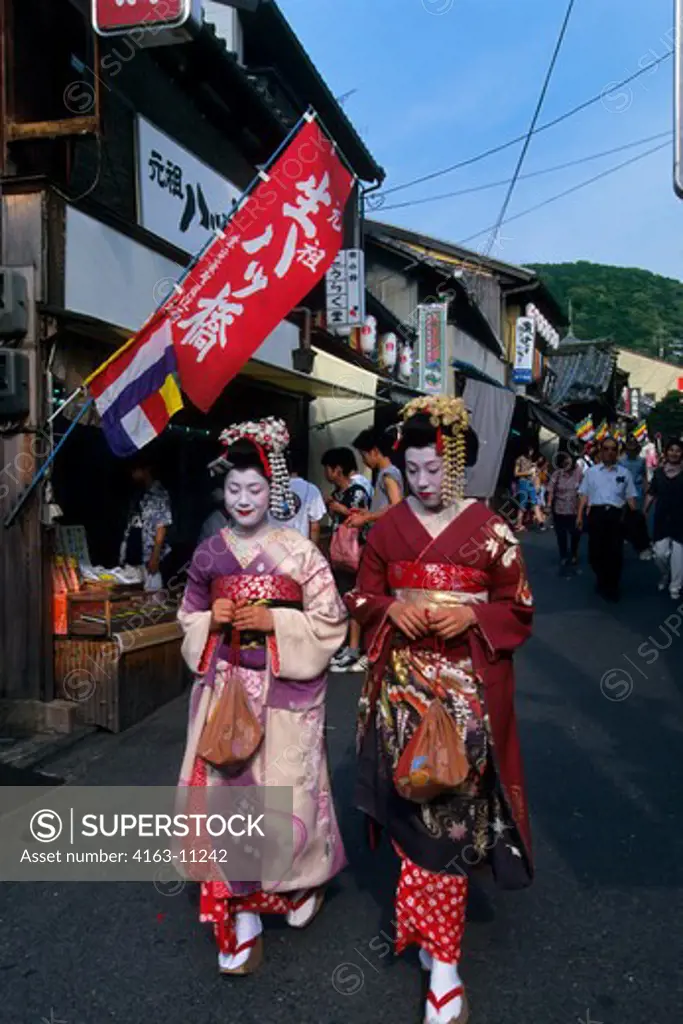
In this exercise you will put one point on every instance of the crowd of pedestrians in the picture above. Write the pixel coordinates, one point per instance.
(614, 493)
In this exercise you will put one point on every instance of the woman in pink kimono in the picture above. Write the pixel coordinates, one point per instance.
(275, 588)
(443, 597)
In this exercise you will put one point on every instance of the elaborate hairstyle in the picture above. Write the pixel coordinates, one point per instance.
(443, 422)
(260, 446)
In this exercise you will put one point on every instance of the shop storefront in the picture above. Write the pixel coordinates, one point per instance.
(116, 649)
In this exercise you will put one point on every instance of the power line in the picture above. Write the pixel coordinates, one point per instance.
(532, 126)
(530, 174)
(569, 191)
(520, 138)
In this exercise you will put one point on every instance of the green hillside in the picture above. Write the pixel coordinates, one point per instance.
(633, 307)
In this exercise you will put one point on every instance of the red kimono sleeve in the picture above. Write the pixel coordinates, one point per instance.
(505, 622)
(371, 599)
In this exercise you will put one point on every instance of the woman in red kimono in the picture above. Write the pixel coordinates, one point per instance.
(443, 598)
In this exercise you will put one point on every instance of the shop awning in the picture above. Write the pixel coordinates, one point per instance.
(302, 383)
(553, 421)
(397, 393)
(474, 373)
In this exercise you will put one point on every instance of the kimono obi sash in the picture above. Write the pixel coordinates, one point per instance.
(438, 583)
(278, 591)
(268, 590)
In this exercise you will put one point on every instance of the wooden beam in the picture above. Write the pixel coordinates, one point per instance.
(52, 129)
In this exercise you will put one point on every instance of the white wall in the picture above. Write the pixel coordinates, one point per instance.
(109, 276)
(462, 346)
(341, 433)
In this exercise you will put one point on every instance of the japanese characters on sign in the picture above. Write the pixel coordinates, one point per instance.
(116, 17)
(345, 287)
(276, 248)
(525, 334)
(180, 198)
(432, 326)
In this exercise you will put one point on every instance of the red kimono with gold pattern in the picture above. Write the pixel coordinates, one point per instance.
(475, 560)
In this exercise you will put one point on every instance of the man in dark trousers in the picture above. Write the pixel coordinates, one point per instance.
(605, 491)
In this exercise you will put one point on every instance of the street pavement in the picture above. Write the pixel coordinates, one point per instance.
(597, 938)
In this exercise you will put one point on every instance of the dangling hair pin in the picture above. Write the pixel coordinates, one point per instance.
(450, 417)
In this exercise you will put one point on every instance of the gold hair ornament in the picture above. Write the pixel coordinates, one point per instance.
(451, 414)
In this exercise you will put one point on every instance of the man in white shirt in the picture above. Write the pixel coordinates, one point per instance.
(311, 507)
(605, 491)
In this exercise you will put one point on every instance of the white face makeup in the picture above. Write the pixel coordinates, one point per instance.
(246, 497)
(424, 472)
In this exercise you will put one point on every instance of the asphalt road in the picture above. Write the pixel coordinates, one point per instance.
(597, 938)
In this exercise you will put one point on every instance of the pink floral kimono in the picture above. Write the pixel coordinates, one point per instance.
(284, 676)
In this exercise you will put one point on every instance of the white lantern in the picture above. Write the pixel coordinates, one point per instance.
(405, 363)
(388, 351)
(368, 336)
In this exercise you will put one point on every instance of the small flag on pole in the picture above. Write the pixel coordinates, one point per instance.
(602, 431)
(584, 429)
(136, 391)
(640, 433)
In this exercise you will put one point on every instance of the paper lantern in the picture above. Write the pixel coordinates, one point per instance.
(388, 351)
(368, 336)
(405, 363)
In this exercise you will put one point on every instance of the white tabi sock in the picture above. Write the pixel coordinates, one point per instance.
(247, 927)
(444, 979)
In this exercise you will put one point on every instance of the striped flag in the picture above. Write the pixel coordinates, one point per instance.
(602, 431)
(136, 391)
(584, 429)
(640, 433)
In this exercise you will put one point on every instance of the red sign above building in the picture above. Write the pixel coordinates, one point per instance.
(114, 17)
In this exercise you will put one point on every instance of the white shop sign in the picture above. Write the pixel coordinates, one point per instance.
(523, 369)
(345, 289)
(180, 198)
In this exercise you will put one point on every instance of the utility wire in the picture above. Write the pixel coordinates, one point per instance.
(530, 174)
(569, 191)
(613, 87)
(532, 127)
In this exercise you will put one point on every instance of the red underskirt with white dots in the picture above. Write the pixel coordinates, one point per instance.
(430, 911)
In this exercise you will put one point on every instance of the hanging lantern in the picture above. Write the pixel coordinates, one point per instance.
(388, 351)
(405, 363)
(368, 337)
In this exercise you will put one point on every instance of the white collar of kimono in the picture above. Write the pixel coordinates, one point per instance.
(436, 522)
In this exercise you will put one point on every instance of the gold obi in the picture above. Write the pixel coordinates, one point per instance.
(439, 598)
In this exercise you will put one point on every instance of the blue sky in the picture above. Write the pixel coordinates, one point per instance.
(441, 80)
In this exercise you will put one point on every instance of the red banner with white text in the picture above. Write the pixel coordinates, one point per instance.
(277, 246)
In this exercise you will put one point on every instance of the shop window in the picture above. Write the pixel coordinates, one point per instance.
(50, 84)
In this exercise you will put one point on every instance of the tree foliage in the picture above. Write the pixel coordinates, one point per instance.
(635, 308)
(667, 416)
